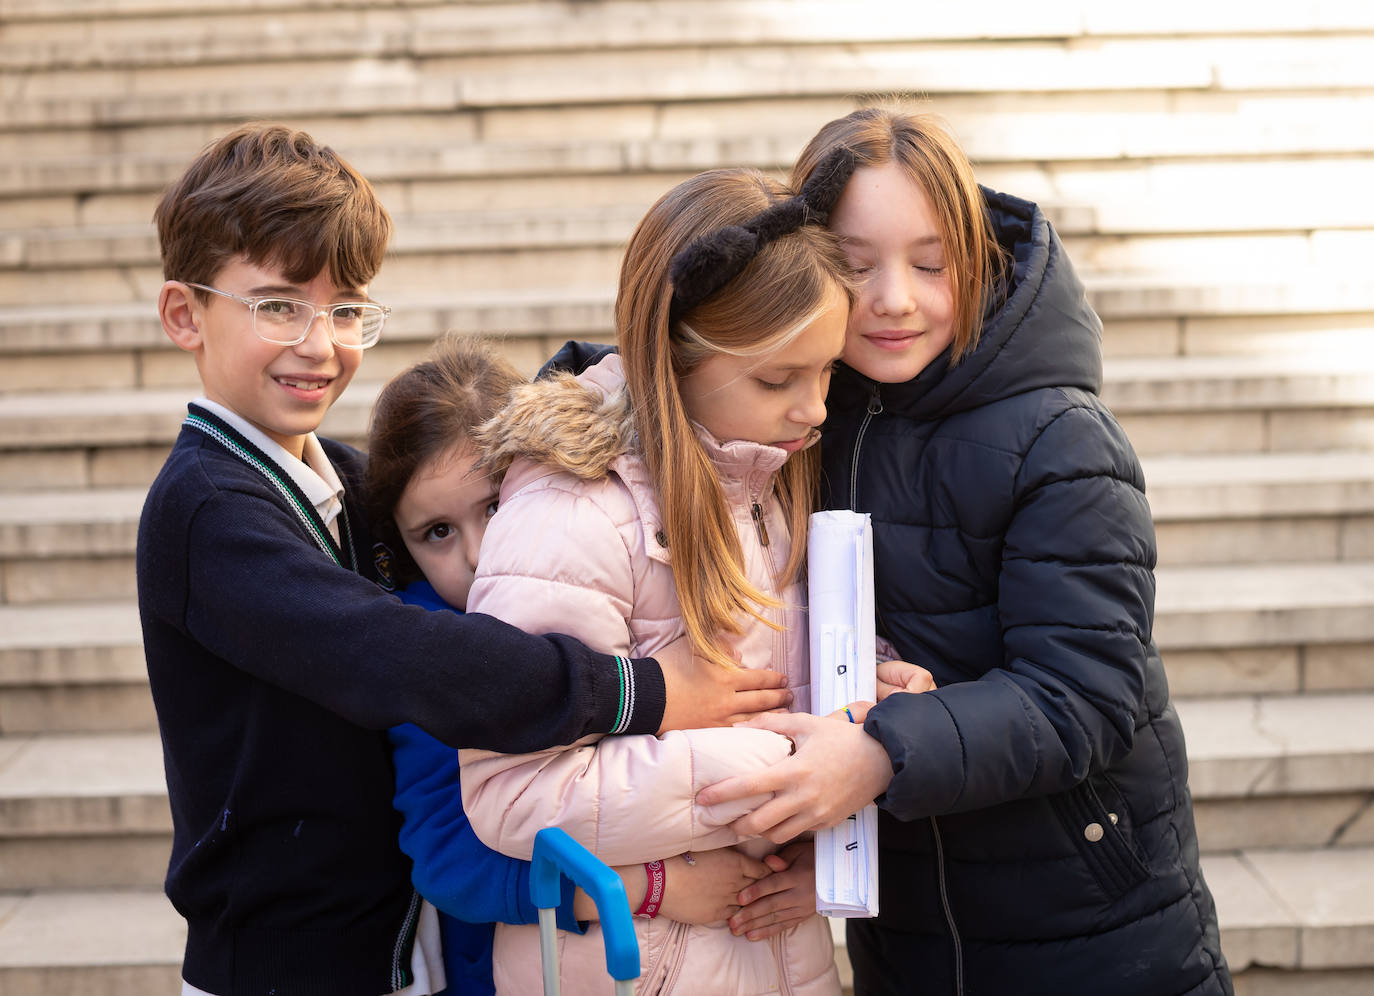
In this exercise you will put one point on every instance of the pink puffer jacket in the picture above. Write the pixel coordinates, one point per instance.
(573, 549)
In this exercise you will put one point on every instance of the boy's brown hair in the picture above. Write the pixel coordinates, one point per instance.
(422, 413)
(273, 196)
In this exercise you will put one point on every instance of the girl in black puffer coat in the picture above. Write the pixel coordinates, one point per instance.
(1036, 831)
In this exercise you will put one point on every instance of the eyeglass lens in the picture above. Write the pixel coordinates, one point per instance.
(286, 322)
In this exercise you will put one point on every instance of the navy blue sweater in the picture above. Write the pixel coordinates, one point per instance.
(276, 665)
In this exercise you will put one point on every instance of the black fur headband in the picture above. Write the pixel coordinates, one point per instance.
(712, 261)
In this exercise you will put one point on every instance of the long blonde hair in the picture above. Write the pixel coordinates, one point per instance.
(934, 161)
(782, 290)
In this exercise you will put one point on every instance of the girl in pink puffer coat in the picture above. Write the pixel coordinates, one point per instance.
(664, 492)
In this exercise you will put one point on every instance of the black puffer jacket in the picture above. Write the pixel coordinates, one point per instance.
(1038, 836)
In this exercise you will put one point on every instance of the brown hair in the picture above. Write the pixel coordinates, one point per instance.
(919, 144)
(422, 413)
(782, 290)
(273, 196)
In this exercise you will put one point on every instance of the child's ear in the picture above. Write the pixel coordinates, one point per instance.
(178, 309)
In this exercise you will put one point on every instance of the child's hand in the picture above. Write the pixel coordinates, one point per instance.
(702, 694)
(706, 891)
(783, 899)
(899, 676)
(836, 769)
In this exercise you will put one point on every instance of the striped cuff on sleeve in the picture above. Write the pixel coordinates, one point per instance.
(642, 696)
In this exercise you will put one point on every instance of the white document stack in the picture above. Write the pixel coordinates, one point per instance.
(843, 670)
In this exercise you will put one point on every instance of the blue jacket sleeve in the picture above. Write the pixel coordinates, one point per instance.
(453, 869)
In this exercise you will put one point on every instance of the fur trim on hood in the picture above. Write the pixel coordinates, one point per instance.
(561, 422)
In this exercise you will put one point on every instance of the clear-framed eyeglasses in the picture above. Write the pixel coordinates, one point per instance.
(285, 321)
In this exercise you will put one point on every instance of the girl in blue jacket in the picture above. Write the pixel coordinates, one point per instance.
(430, 503)
(1036, 830)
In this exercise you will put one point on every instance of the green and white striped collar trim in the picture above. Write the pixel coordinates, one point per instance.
(211, 420)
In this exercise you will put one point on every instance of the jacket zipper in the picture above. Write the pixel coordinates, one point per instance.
(780, 958)
(761, 529)
(756, 513)
(949, 913)
(674, 957)
(875, 407)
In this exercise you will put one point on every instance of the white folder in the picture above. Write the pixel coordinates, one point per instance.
(843, 670)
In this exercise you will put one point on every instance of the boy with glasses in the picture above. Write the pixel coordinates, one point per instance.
(275, 658)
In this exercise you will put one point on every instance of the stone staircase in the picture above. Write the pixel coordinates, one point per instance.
(1204, 163)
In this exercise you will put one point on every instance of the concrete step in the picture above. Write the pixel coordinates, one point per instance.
(82, 467)
(182, 36)
(1168, 405)
(1281, 771)
(82, 810)
(1131, 197)
(457, 233)
(1022, 142)
(72, 668)
(124, 942)
(432, 78)
(66, 10)
(1199, 404)
(67, 546)
(36, 525)
(1256, 508)
(1208, 509)
(1000, 18)
(1204, 288)
(1276, 335)
(1229, 606)
(1282, 913)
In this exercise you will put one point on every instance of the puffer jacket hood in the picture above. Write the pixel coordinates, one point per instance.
(563, 423)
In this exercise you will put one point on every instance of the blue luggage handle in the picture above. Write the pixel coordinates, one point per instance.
(557, 854)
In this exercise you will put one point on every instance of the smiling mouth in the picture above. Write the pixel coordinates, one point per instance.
(893, 339)
(313, 384)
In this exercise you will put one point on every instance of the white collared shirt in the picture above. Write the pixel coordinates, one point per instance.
(314, 475)
(320, 484)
